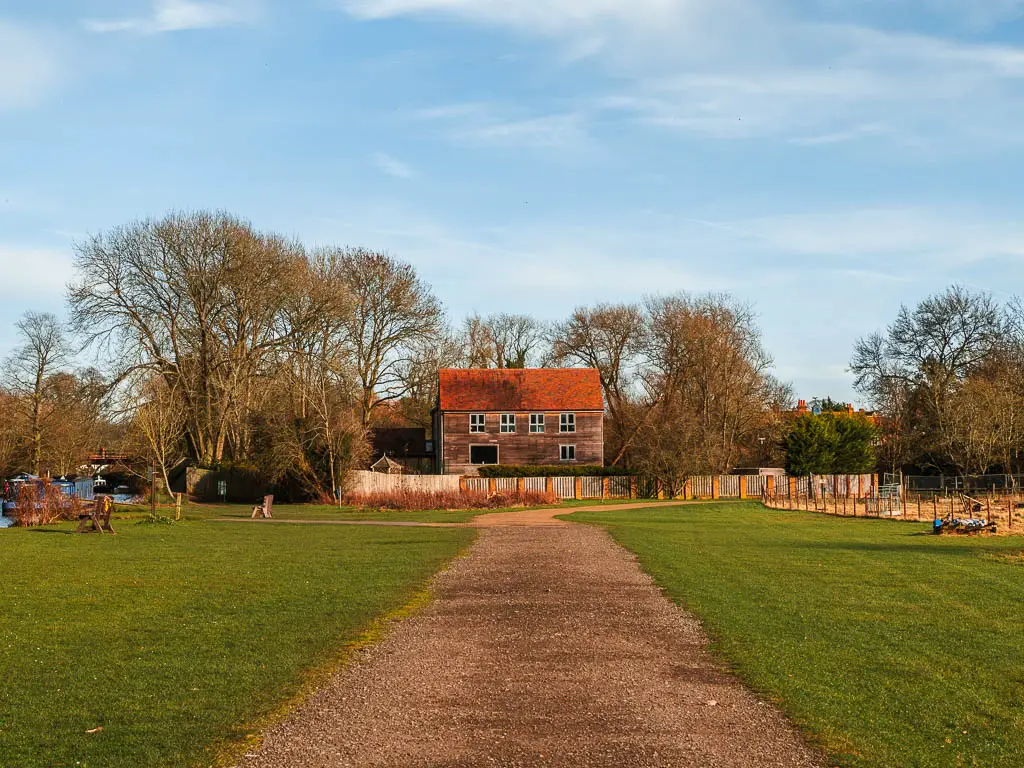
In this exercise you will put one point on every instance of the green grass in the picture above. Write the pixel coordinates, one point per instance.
(888, 646)
(331, 512)
(178, 639)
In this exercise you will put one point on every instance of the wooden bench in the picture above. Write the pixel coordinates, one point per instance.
(265, 509)
(97, 518)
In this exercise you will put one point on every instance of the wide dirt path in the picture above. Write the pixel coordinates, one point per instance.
(546, 646)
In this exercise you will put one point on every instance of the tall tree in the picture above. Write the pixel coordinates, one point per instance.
(502, 341)
(43, 351)
(394, 315)
(198, 299)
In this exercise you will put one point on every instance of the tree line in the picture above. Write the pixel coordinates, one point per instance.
(219, 344)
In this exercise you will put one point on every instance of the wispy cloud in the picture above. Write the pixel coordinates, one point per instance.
(29, 66)
(180, 15)
(28, 272)
(393, 167)
(725, 69)
(489, 124)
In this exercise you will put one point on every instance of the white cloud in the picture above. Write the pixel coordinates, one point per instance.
(488, 124)
(393, 167)
(179, 15)
(737, 70)
(29, 272)
(29, 66)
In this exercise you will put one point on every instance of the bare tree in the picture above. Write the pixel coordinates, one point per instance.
(610, 338)
(197, 299)
(913, 372)
(43, 352)
(503, 341)
(394, 315)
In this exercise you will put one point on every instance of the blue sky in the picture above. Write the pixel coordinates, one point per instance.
(824, 160)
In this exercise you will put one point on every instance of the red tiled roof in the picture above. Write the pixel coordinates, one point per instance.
(532, 389)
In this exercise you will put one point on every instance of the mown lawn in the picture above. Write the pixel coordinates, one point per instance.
(177, 639)
(887, 645)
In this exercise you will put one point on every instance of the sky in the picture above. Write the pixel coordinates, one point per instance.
(824, 160)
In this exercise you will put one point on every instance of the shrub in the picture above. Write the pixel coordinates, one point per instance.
(42, 503)
(449, 500)
(552, 470)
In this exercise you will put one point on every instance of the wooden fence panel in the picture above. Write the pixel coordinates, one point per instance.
(477, 484)
(361, 481)
(618, 487)
(593, 487)
(729, 486)
(506, 484)
(536, 484)
(564, 487)
(701, 486)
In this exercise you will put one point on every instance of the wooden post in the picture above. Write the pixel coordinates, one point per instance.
(716, 488)
(688, 489)
(632, 488)
(605, 489)
(492, 486)
(792, 487)
(177, 506)
(988, 510)
(549, 485)
(770, 486)
(743, 486)
(520, 485)
(578, 485)
(462, 485)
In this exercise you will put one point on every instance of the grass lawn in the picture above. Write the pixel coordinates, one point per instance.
(177, 640)
(331, 512)
(888, 646)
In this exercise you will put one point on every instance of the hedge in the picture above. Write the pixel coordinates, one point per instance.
(552, 470)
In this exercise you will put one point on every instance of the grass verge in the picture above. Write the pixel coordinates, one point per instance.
(176, 639)
(886, 645)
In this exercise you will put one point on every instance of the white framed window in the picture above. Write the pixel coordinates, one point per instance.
(477, 422)
(536, 422)
(567, 452)
(567, 422)
(508, 422)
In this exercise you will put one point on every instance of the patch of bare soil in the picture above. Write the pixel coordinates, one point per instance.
(546, 646)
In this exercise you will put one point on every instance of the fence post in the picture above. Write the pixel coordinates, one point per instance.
(688, 489)
(492, 486)
(605, 488)
(549, 485)
(633, 490)
(716, 488)
(462, 484)
(520, 485)
(770, 486)
(743, 486)
(792, 487)
(578, 487)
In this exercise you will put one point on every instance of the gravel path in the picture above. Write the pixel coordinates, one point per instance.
(546, 646)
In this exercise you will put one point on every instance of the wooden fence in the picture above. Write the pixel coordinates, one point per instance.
(363, 482)
(776, 489)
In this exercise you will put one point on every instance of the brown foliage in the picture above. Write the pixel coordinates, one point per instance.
(449, 500)
(43, 504)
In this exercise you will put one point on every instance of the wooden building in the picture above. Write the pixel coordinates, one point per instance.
(517, 417)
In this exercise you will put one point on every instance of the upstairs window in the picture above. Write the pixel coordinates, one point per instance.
(536, 422)
(567, 422)
(567, 452)
(508, 422)
(477, 422)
